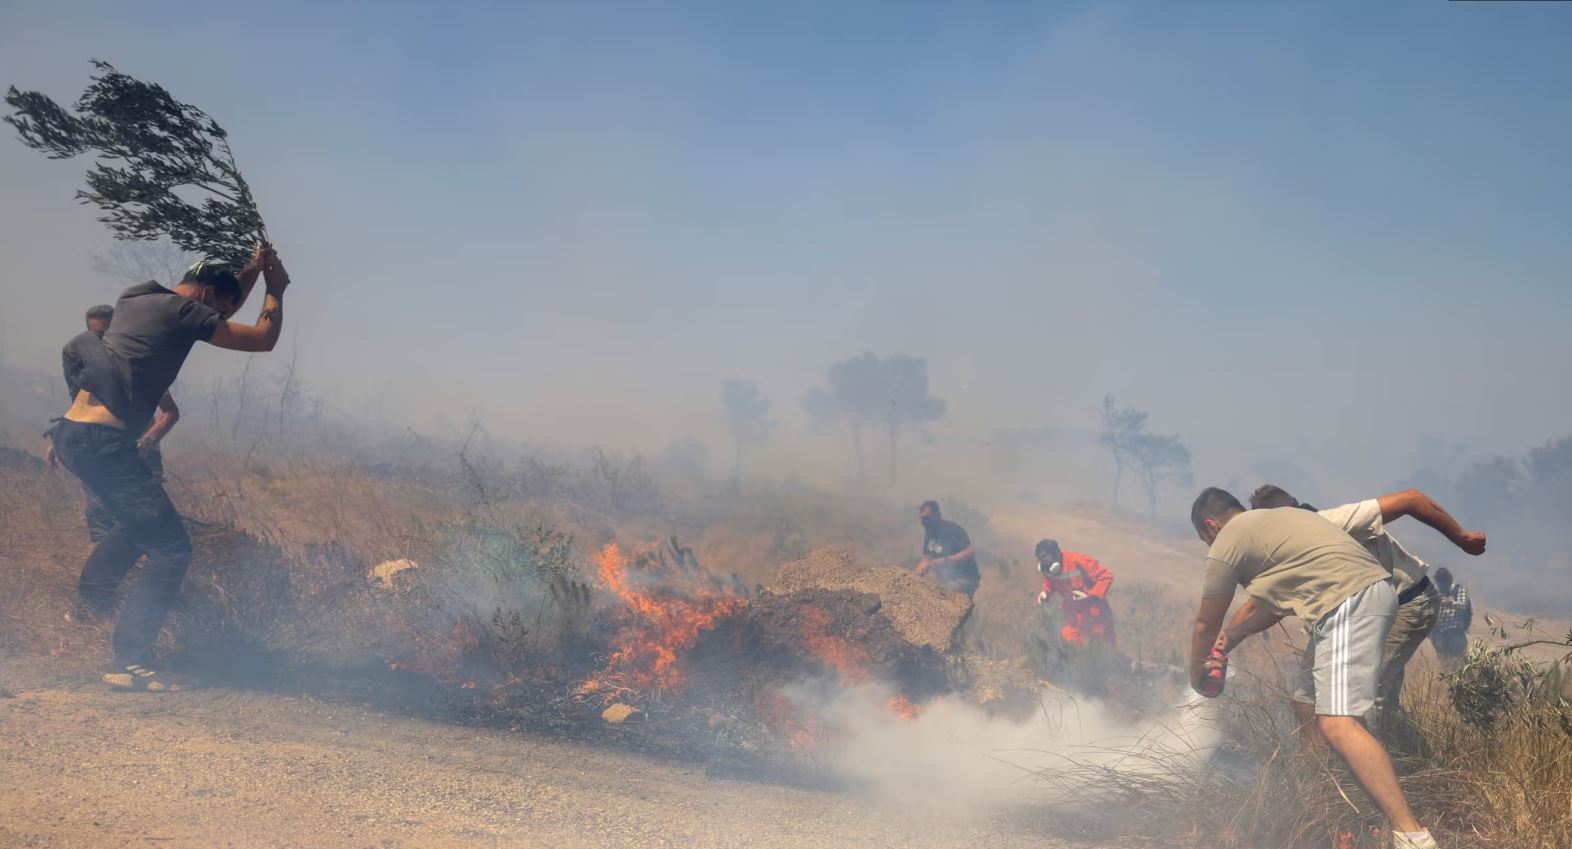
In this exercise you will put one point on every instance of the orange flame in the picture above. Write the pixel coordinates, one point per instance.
(850, 661)
(903, 708)
(663, 623)
(783, 719)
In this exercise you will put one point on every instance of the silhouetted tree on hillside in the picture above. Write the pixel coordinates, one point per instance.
(1156, 458)
(868, 390)
(747, 417)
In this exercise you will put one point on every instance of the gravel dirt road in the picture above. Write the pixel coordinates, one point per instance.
(225, 769)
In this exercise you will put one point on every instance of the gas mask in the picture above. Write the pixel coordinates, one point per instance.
(1053, 569)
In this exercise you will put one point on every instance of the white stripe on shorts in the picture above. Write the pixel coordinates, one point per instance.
(1336, 639)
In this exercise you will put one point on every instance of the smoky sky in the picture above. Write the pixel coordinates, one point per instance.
(1322, 234)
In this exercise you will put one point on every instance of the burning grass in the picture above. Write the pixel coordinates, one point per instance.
(667, 607)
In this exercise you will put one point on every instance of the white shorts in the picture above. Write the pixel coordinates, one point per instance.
(1341, 669)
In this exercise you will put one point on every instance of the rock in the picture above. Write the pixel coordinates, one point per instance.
(386, 570)
(620, 713)
(923, 613)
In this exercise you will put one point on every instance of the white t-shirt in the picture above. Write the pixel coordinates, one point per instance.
(1362, 521)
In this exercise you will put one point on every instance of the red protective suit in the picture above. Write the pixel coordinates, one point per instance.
(1088, 618)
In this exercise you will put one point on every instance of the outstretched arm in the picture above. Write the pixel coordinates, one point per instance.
(263, 335)
(1412, 502)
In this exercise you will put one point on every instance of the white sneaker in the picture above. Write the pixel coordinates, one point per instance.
(1403, 841)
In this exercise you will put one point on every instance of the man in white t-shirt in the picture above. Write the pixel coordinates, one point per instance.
(1418, 600)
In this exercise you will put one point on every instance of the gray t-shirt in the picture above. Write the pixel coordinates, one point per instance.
(143, 350)
(74, 358)
(1291, 560)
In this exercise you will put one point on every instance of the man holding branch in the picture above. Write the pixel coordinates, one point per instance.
(121, 382)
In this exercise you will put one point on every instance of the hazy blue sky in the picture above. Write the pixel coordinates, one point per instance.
(1299, 230)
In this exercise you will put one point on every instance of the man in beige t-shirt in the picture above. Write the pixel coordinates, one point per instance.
(1293, 562)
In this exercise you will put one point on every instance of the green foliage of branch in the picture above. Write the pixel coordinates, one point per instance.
(149, 148)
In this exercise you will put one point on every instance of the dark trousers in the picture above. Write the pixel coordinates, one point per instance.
(98, 518)
(958, 579)
(140, 520)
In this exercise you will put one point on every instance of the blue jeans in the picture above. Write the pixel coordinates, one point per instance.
(957, 578)
(141, 520)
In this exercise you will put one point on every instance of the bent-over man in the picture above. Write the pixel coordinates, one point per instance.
(948, 551)
(1294, 562)
(1082, 586)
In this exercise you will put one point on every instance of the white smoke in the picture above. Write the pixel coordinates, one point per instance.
(956, 756)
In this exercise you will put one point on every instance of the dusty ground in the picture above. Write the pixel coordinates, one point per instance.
(81, 767)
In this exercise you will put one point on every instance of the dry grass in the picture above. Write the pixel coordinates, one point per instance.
(294, 582)
(1497, 779)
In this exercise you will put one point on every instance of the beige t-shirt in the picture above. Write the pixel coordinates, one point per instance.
(1291, 560)
(1362, 521)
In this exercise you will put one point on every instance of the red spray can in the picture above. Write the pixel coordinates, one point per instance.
(1211, 685)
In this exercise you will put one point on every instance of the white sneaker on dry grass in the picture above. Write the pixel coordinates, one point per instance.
(1413, 840)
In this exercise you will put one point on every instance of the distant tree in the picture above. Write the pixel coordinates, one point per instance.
(1487, 487)
(747, 417)
(867, 390)
(1550, 465)
(908, 402)
(1161, 459)
(1156, 458)
(1121, 427)
(127, 263)
(847, 396)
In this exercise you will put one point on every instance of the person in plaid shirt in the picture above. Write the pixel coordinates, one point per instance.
(1450, 636)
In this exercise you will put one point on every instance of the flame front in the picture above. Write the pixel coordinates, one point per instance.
(662, 623)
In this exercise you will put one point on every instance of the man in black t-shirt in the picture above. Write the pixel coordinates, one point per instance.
(121, 381)
(947, 550)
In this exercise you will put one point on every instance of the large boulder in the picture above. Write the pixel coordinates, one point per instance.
(921, 612)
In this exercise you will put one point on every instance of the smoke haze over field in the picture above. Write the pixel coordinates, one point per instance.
(1288, 232)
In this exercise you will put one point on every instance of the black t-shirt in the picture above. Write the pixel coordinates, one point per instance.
(944, 541)
(141, 354)
(74, 358)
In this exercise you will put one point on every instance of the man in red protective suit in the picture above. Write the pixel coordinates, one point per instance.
(1082, 586)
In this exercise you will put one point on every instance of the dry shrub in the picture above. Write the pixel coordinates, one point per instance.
(43, 542)
(1508, 767)
(1497, 780)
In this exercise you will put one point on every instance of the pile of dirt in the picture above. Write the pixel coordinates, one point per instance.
(924, 614)
(813, 633)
